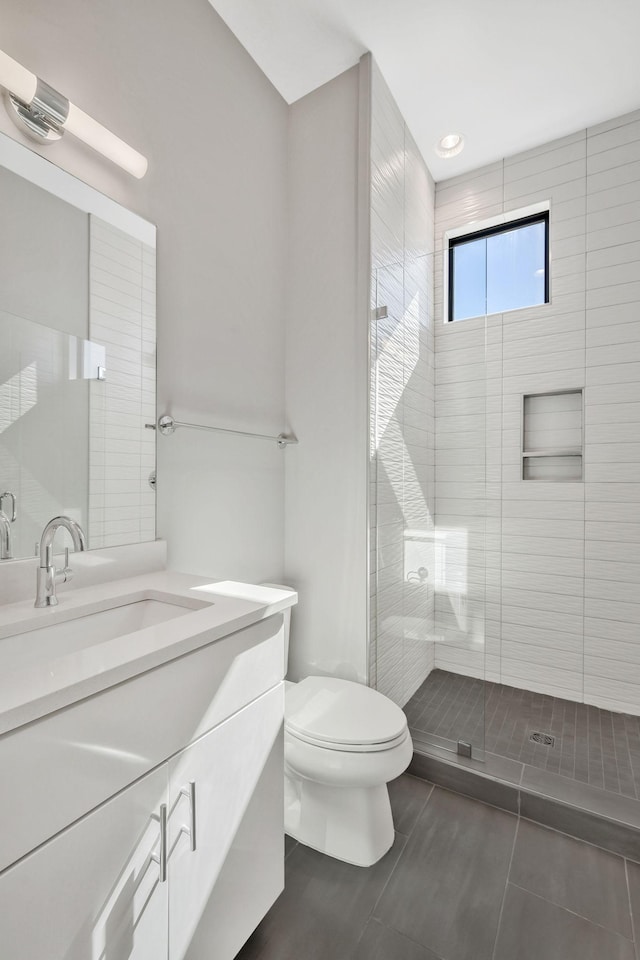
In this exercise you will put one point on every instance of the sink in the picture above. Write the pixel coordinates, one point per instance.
(53, 640)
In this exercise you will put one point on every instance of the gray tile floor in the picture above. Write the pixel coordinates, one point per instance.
(592, 746)
(463, 881)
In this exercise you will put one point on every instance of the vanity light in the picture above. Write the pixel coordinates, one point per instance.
(46, 114)
(450, 146)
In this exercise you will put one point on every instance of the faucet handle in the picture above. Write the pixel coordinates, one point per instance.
(67, 572)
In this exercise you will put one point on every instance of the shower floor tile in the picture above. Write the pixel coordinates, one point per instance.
(590, 745)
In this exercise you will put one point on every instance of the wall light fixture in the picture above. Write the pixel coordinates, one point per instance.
(46, 115)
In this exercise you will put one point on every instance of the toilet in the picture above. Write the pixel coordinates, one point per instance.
(343, 742)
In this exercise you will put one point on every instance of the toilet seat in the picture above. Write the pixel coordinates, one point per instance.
(349, 748)
(336, 714)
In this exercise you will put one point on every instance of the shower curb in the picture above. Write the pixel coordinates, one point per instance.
(587, 813)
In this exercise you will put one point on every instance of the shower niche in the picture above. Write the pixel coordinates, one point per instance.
(552, 436)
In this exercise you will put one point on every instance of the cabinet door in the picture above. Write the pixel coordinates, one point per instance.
(219, 892)
(93, 891)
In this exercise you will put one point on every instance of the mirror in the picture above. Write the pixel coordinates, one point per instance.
(77, 359)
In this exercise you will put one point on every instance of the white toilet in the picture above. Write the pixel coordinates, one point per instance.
(343, 742)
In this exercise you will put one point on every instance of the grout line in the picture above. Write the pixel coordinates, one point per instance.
(422, 808)
(573, 913)
(400, 856)
(506, 885)
(634, 933)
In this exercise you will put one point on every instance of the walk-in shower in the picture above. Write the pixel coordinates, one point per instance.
(505, 468)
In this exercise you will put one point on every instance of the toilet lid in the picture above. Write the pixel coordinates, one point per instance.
(339, 711)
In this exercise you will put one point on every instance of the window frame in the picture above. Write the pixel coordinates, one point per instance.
(537, 213)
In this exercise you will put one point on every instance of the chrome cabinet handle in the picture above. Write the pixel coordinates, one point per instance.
(190, 793)
(161, 857)
(12, 497)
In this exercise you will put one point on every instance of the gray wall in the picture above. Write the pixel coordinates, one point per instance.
(326, 478)
(171, 79)
(563, 558)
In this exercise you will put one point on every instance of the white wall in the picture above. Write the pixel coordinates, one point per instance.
(402, 404)
(171, 79)
(562, 559)
(326, 390)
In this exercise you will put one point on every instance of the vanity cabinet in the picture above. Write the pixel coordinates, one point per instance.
(80, 756)
(95, 890)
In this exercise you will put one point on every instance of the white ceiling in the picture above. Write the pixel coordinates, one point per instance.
(508, 74)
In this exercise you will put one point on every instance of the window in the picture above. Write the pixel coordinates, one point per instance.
(500, 268)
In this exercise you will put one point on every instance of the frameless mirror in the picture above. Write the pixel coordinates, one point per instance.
(77, 359)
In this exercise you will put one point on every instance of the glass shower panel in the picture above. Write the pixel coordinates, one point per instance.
(449, 710)
(429, 510)
(428, 493)
(449, 451)
(387, 471)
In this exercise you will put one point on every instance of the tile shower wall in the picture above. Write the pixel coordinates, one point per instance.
(562, 558)
(402, 404)
(122, 317)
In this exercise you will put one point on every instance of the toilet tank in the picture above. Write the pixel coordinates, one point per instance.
(287, 622)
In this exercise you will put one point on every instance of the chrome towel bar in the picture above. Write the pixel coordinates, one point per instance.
(167, 425)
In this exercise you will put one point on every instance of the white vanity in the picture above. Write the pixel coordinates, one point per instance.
(142, 770)
(141, 756)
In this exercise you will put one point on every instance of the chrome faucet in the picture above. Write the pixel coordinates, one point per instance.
(48, 576)
(6, 546)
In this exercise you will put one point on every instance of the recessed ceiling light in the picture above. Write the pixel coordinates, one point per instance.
(449, 146)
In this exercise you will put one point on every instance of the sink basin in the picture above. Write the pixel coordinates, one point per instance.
(53, 640)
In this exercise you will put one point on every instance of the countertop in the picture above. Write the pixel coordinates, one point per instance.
(30, 692)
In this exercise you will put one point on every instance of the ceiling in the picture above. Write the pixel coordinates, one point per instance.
(507, 74)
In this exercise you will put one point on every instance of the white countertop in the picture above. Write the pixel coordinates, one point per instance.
(30, 692)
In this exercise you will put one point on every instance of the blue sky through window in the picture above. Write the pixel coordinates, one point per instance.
(470, 279)
(503, 271)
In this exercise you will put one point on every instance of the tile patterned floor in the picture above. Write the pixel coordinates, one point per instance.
(463, 881)
(592, 746)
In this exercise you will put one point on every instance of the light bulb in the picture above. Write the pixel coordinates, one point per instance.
(85, 128)
(449, 145)
(15, 78)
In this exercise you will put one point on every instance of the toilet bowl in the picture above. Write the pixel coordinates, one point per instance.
(343, 742)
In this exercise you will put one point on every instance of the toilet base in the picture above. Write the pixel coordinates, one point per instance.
(353, 824)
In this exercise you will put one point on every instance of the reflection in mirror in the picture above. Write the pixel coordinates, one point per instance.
(77, 370)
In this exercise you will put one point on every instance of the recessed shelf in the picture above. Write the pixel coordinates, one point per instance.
(572, 452)
(552, 436)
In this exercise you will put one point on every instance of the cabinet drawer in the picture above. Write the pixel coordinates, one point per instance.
(58, 768)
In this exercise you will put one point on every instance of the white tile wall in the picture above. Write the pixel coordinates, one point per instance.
(122, 317)
(564, 558)
(402, 405)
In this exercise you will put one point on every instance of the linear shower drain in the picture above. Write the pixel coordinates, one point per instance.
(544, 738)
